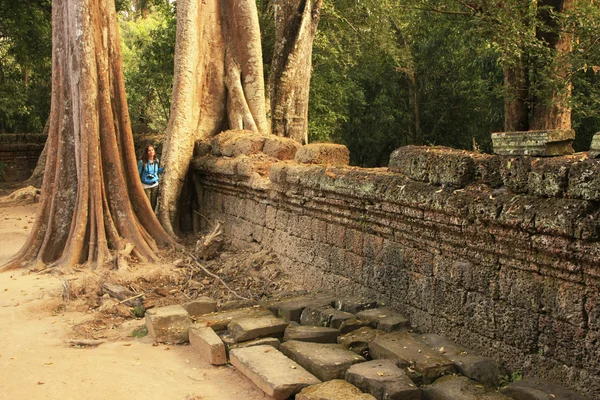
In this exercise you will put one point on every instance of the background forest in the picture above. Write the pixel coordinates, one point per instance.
(385, 73)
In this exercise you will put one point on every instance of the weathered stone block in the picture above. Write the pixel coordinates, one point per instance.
(482, 369)
(291, 309)
(409, 352)
(515, 173)
(459, 388)
(325, 361)
(358, 340)
(549, 176)
(534, 143)
(266, 341)
(333, 390)
(271, 371)
(323, 153)
(200, 306)
(354, 304)
(384, 319)
(244, 329)
(324, 316)
(384, 380)
(437, 165)
(208, 345)
(280, 147)
(244, 143)
(316, 334)
(584, 180)
(168, 324)
(219, 320)
(539, 389)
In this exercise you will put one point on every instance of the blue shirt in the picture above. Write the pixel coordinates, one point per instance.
(149, 172)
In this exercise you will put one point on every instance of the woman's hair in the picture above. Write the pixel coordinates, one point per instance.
(145, 154)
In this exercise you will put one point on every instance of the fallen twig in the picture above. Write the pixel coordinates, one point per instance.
(220, 280)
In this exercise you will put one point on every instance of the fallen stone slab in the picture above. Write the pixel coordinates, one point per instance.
(267, 341)
(291, 309)
(352, 324)
(408, 352)
(482, 369)
(219, 320)
(274, 373)
(168, 324)
(232, 305)
(245, 329)
(333, 390)
(355, 304)
(324, 316)
(316, 334)
(459, 388)
(208, 345)
(539, 389)
(325, 361)
(595, 146)
(200, 306)
(384, 380)
(358, 340)
(384, 319)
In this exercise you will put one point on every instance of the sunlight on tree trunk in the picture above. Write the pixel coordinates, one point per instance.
(296, 23)
(92, 199)
(218, 84)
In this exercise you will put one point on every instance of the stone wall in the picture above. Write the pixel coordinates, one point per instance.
(19, 154)
(499, 253)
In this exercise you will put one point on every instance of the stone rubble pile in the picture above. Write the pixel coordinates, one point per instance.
(318, 346)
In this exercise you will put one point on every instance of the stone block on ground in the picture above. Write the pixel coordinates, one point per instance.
(409, 352)
(333, 390)
(324, 316)
(316, 334)
(234, 304)
(291, 308)
(325, 361)
(384, 380)
(168, 324)
(352, 324)
(245, 329)
(200, 306)
(534, 143)
(281, 148)
(274, 373)
(208, 345)
(358, 340)
(323, 153)
(220, 320)
(484, 370)
(355, 304)
(459, 388)
(266, 341)
(539, 389)
(384, 319)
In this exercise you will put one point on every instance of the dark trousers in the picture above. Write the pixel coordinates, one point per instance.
(152, 195)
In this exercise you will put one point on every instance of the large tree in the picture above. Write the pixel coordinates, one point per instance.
(218, 85)
(296, 23)
(93, 204)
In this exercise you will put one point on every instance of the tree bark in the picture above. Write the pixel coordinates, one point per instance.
(38, 173)
(296, 23)
(553, 110)
(218, 84)
(92, 198)
(516, 113)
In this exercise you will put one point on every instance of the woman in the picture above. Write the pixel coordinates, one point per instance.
(149, 170)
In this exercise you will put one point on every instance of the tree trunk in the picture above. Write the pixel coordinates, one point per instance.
(296, 24)
(218, 84)
(92, 197)
(553, 110)
(38, 173)
(516, 113)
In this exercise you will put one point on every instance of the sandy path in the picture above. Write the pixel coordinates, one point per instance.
(36, 363)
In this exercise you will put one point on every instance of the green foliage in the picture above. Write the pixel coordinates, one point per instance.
(140, 332)
(25, 62)
(138, 311)
(148, 45)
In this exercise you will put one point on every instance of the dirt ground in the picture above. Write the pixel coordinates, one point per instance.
(38, 362)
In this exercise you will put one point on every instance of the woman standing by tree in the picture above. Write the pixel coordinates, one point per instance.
(149, 169)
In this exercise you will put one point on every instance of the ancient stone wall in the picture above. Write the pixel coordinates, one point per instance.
(501, 254)
(19, 154)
